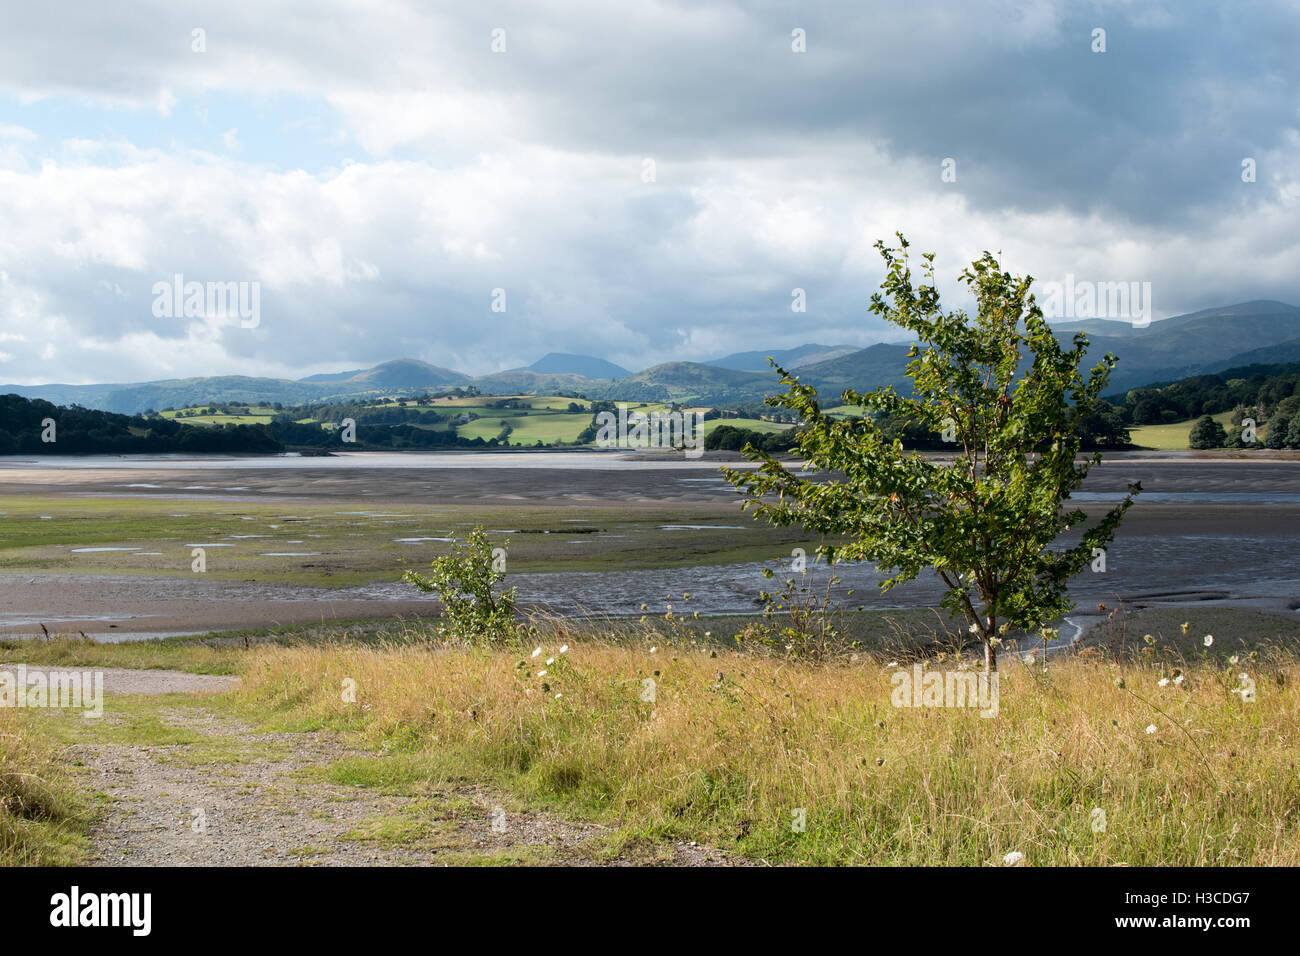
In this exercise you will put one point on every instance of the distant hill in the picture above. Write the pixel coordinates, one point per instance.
(563, 363)
(525, 382)
(1205, 342)
(407, 373)
(1186, 345)
(182, 392)
(173, 393)
(332, 376)
(87, 396)
(1280, 354)
(787, 358)
(703, 384)
(863, 370)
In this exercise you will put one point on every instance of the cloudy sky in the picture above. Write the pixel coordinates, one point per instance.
(647, 181)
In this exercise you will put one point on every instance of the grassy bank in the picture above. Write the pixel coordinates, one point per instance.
(1090, 761)
(733, 746)
(42, 818)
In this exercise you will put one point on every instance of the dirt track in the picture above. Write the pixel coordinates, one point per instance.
(222, 794)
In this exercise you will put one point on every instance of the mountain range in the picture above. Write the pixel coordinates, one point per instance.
(1259, 332)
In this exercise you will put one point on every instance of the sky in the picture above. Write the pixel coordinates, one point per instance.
(475, 184)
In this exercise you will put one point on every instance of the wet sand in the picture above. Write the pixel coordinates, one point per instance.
(1209, 530)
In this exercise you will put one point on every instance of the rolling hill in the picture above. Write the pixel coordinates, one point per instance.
(564, 363)
(1205, 342)
(756, 361)
(1187, 345)
(403, 374)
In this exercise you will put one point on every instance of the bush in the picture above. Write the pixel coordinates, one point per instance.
(1293, 433)
(1207, 433)
(465, 580)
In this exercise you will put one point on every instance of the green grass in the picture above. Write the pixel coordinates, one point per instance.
(1172, 437)
(546, 427)
(753, 424)
(192, 654)
(262, 416)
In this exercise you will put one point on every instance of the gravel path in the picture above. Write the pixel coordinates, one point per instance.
(229, 796)
(121, 680)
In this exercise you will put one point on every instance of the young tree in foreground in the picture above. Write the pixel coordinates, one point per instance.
(466, 579)
(984, 520)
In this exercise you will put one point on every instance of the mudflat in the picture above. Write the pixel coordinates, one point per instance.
(106, 546)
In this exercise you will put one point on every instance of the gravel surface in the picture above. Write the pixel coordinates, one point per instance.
(118, 680)
(235, 797)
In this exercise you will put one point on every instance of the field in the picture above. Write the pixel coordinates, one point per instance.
(258, 415)
(1088, 761)
(547, 419)
(527, 428)
(1174, 437)
(752, 424)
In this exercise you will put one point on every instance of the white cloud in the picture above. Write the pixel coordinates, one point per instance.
(522, 170)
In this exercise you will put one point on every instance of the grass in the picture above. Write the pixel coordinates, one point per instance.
(548, 417)
(528, 429)
(183, 654)
(1174, 436)
(262, 416)
(734, 744)
(1235, 632)
(43, 820)
(752, 424)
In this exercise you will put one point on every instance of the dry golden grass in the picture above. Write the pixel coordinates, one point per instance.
(733, 745)
(40, 822)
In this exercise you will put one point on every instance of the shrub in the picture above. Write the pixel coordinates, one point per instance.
(1207, 433)
(465, 579)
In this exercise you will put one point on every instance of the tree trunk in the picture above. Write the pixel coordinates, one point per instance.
(990, 658)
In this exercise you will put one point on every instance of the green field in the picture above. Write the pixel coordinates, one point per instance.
(1173, 437)
(528, 428)
(258, 415)
(752, 424)
(546, 419)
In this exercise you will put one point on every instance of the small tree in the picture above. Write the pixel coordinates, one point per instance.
(1293, 433)
(1207, 433)
(984, 520)
(465, 580)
